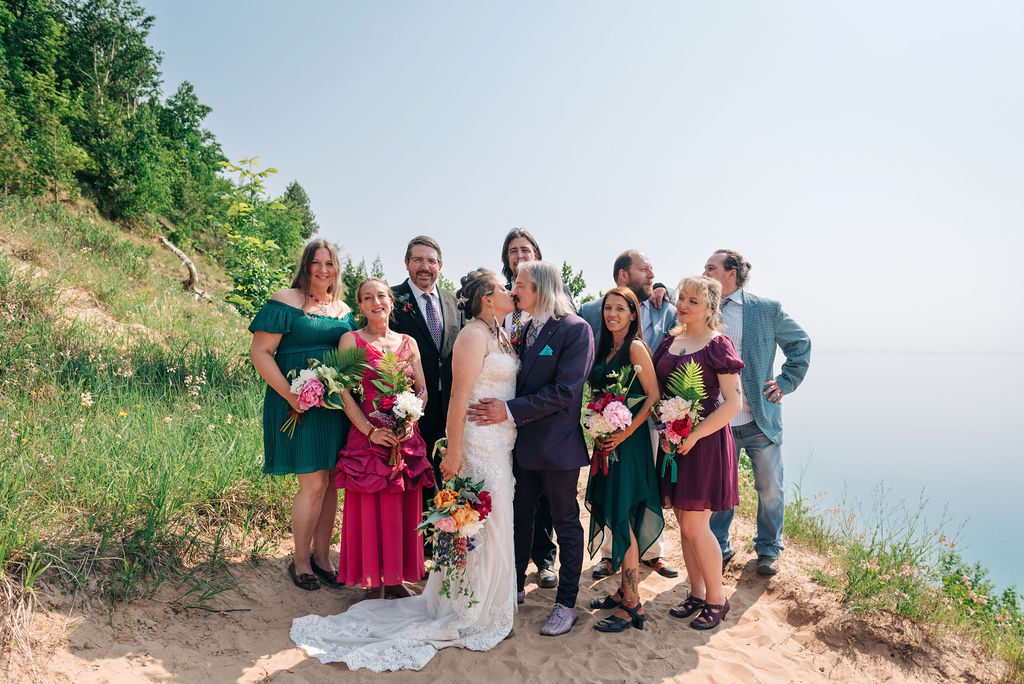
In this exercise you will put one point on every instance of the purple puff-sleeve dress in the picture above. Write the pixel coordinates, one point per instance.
(707, 474)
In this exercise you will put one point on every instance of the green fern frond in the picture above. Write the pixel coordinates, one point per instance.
(391, 371)
(351, 360)
(687, 382)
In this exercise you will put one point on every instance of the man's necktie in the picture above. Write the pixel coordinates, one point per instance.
(531, 334)
(433, 320)
(517, 327)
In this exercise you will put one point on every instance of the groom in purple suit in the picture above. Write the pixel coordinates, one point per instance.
(556, 351)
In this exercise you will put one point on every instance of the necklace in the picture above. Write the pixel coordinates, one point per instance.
(322, 305)
(504, 344)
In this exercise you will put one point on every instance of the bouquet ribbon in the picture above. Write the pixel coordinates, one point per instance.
(396, 461)
(599, 462)
(670, 461)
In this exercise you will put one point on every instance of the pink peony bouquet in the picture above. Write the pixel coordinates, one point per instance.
(608, 412)
(451, 523)
(322, 383)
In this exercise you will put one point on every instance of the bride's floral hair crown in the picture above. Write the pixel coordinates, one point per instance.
(475, 286)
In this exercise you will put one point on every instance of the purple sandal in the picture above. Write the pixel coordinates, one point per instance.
(711, 615)
(687, 608)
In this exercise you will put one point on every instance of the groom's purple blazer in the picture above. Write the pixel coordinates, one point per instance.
(549, 396)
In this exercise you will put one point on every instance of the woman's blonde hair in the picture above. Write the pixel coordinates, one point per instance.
(707, 290)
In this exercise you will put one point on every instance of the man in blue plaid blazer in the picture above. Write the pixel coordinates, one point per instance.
(758, 326)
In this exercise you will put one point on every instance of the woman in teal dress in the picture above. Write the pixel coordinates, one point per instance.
(625, 500)
(296, 325)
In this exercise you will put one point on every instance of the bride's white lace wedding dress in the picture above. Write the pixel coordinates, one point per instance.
(404, 634)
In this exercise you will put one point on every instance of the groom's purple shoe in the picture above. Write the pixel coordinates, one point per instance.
(560, 621)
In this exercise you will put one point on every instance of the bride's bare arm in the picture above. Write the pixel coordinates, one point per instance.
(467, 360)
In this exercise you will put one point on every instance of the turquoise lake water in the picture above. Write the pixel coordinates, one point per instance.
(941, 425)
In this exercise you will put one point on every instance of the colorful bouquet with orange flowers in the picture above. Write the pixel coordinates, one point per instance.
(451, 523)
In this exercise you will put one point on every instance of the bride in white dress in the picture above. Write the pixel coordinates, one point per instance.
(404, 634)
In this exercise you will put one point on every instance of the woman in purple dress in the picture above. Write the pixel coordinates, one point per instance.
(706, 458)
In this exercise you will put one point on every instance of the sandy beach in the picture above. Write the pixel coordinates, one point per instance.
(787, 629)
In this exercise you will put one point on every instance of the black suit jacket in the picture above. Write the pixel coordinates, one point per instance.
(437, 365)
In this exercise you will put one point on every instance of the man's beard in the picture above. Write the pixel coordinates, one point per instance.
(643, 291)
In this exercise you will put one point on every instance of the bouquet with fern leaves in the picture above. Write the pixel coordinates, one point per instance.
(678, 413)
(321, 383)
(397, 406)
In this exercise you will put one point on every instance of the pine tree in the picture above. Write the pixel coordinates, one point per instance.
(297, 199)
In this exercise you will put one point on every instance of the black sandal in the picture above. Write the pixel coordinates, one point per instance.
(711, 615)
(614, 624)
(304, 581)
(687, 608)
(607, 602)
(328, 578)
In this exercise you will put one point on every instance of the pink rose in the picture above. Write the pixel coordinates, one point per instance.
(311, 394)
(447, 524)
(386, 402)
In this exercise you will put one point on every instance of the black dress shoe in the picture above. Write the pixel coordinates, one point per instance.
(546, 578)
(767, 565)
(726, 557)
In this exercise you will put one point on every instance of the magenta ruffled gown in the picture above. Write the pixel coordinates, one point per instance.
(379, 541)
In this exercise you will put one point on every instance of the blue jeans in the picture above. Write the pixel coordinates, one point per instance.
(766, 457)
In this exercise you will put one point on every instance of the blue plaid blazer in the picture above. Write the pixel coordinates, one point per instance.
(766, 327)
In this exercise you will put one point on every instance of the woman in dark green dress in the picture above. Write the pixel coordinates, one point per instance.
(625, 500)
(296, 325)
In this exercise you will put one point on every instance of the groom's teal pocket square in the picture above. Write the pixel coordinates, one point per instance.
(546, 351)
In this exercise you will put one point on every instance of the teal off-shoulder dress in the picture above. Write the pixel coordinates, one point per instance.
(322, 432)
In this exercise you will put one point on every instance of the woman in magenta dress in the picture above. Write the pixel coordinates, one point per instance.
(380, 547)
(706, 458)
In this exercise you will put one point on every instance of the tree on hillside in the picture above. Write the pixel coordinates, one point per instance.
(298, 201)
(351, 275)
(192, 158)
(377, 269)
(254, 259)
(33, 42)
(574, 281)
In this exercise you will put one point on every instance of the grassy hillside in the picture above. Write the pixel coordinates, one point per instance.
(130, 448)
(129, 413)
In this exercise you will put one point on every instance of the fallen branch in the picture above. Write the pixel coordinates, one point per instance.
(191, 283)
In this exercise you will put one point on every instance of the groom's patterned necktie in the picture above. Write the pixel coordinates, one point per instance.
(532, 333)
(433, 320)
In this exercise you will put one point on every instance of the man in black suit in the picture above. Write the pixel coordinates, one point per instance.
(429, 315)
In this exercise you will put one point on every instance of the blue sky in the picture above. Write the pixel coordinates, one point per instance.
(867, 158)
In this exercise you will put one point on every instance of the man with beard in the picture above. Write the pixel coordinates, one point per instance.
(430, 316)
(633, 269)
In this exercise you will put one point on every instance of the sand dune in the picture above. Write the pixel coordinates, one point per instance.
(786, 629)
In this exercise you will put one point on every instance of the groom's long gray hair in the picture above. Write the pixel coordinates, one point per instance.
(547, 280)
